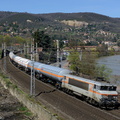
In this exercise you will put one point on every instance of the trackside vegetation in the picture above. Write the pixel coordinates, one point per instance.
(85, 65)
(82, 61)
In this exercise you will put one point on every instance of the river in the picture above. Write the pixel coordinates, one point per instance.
(112, 62)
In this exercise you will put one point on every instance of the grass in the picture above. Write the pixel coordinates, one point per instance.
(25, 111)
(22, 109)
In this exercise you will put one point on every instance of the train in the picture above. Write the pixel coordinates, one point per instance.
(97, 93)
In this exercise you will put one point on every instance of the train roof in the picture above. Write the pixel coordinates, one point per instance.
(90, 81)
(36, 64)
(56, 69)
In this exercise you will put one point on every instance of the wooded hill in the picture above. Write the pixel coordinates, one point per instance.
(59, 25)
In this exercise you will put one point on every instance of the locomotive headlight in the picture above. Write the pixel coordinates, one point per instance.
(115, 97)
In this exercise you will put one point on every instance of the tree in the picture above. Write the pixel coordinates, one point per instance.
(102, 50)
(7, 39)
(86, 65)
(74, 43)
(42, 39)
(103, 71)
(1, 39)
(118, 43)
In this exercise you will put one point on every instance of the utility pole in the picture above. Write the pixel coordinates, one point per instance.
(32, 83)
(4, 46)
(27, 48)
(36, 52)
(80, 56)
(24, 49)
(58, 54)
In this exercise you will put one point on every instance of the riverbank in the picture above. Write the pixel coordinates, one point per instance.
(115, 79)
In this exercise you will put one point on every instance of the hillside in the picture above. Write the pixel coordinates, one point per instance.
(5, 14)
(52, 18)
(87, 17)
(60, 25)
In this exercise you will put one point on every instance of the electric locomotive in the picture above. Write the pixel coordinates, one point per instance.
(101, 94)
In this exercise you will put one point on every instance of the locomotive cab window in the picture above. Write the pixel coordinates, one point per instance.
(112, 88)
(96, 87)
(108, 88)
(104, 88)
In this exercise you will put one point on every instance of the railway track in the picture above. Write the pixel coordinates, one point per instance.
(117, 111)
(66, 106)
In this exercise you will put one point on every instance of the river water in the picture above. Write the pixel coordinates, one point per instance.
(112, 62)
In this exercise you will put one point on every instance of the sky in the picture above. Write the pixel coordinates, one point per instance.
(109, 8)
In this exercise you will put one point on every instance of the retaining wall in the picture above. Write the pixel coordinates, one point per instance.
(33, 105)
